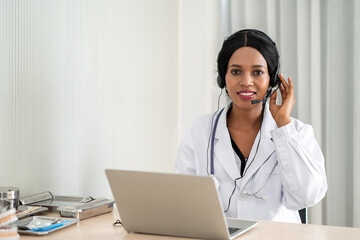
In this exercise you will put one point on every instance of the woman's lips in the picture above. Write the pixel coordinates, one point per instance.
(246, 94)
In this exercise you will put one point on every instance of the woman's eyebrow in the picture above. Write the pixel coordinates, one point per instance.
(254, 66)
(235, 65)
(258, 66)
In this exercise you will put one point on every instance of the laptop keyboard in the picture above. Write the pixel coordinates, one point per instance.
(232, 230)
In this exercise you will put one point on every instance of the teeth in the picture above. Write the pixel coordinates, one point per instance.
(246, 94)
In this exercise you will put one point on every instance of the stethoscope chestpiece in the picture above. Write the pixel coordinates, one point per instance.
(254, 195)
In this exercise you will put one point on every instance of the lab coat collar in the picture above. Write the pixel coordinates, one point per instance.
(223, 149)
(225, 154)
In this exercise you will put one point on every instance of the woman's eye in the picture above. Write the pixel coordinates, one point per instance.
(235, 72)
(258, 72)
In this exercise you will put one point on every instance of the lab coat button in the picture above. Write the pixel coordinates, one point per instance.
(277, 135)
(242, 196)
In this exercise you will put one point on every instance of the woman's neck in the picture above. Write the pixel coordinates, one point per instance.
(245, 119)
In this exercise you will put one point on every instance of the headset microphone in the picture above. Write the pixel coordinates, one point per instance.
(256, 101)
(267, 95)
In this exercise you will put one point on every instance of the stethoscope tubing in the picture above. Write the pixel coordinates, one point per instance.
(213, 142)
(212, 171)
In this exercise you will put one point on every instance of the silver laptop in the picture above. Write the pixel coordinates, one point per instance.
(172, 204)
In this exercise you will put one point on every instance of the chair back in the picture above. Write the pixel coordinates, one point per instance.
(303, 215)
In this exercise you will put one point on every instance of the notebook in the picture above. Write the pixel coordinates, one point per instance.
(172, 204)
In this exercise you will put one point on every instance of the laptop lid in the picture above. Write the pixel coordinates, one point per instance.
(170, 204)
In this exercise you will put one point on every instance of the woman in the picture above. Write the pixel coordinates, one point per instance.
(267, 165)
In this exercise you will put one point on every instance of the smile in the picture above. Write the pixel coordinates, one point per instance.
(246, 95)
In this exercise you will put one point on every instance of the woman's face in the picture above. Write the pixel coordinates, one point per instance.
(247, 77)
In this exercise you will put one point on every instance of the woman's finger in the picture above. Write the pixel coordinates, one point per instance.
(282, 90)
(284, 83)
(281, 77)
(291, 85)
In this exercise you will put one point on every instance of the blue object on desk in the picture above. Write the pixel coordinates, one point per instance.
(50, 227)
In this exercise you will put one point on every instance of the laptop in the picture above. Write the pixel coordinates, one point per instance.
(173, 205)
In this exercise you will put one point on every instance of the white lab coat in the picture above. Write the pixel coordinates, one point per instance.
(290, 154)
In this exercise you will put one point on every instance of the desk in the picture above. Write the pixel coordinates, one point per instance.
(101, 227)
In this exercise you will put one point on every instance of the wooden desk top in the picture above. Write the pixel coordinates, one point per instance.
(101, 227)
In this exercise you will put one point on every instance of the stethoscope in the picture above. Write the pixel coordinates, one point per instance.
(212, 172)
(254, 194)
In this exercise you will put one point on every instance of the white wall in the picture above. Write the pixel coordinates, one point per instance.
(86, 85)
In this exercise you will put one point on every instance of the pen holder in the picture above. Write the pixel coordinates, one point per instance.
(10, 194)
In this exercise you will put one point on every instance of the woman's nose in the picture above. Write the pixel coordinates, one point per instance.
(246, 80)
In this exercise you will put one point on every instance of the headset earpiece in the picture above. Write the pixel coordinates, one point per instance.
(275, 79)
(220, 82)
(274, 83)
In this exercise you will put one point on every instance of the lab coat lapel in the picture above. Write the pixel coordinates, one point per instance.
(266, 147)
(223, 151)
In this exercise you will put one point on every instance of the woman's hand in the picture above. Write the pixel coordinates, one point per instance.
(281, 113)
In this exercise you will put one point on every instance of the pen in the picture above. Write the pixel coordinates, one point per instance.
(50, 227)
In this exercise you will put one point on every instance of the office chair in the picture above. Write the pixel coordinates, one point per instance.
(303, 215)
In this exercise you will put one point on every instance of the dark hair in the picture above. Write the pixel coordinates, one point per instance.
(251, 38)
